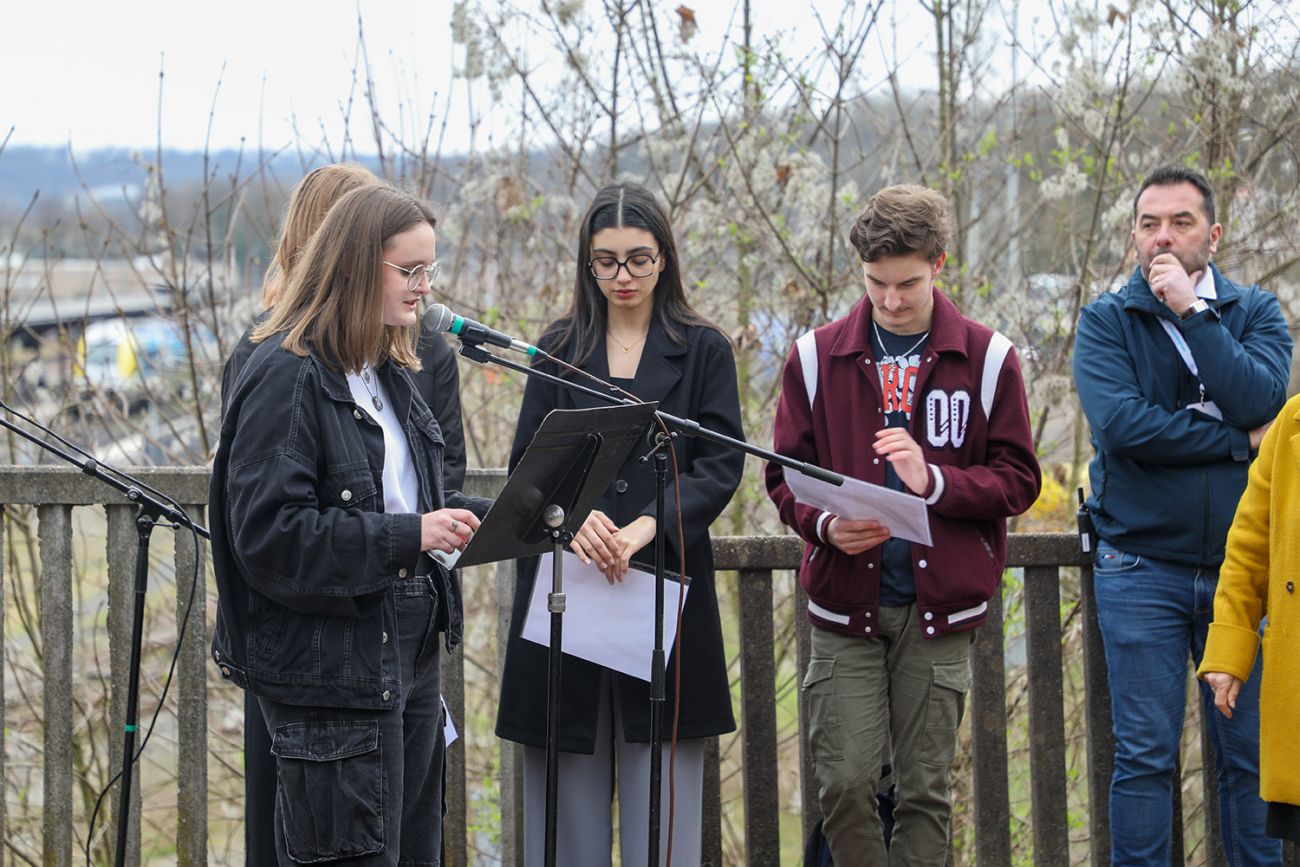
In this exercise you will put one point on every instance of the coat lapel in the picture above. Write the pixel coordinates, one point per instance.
(660, 367)
(597, 364)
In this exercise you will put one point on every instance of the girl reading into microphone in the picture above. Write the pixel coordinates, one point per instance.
(326, 493)
(437, 381)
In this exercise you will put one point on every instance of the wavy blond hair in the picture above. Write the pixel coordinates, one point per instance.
(308, 204)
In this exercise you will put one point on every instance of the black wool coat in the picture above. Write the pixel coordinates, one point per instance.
(694, 381)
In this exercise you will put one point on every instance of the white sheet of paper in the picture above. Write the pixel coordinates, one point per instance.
(449, 732)
(448, 561)
(904, 514)
(608, 624)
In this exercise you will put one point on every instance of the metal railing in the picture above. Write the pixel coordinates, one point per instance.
(55, 492)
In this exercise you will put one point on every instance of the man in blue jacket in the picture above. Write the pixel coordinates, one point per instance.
(1179, 373)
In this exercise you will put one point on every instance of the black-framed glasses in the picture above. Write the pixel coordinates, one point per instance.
(637, 265)
(413, 274)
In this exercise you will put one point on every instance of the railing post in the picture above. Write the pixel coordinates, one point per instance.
(454, 828)
(711, 821)
(1097, 719)
(758, 717)
(191, 701)
(55, 533)
(4, 830)
(512, 754)
(1214, 854)
(811, 792)
(989, 734)
(120, 549)
(1046, 715)
(1177, 844)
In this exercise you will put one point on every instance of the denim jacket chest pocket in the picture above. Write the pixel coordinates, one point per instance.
(349, 477)
(351, 487)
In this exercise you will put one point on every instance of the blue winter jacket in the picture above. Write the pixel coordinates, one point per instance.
(1166, 479)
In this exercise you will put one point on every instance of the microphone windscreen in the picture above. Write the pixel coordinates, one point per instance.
(437, 319)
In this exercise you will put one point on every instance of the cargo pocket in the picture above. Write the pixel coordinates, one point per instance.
(824, 737)
(330, 789)
(947, 703)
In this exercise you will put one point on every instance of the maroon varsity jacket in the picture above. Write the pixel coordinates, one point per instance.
(972, 423)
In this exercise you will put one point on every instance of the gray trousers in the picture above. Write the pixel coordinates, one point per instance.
(896, 691)
(585, 824)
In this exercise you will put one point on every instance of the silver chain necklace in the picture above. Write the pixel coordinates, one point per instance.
(897, 354)
(374, 393)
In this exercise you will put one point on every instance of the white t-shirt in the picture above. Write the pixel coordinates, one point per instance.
(401, 486)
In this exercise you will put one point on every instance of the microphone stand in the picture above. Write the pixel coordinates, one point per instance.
(555, 603)
(658, 666)
(472, 349)
(150, 513)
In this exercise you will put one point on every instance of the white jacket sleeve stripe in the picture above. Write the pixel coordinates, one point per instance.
(999, 347)
(807, 346)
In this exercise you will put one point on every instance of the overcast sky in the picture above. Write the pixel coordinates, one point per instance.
(87, 71)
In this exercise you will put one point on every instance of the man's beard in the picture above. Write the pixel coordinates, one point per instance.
(1190, 265)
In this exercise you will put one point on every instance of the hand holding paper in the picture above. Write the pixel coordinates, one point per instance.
(854, 537)
(904, 515)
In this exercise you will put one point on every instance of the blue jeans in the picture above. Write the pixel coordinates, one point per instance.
(1154, 615)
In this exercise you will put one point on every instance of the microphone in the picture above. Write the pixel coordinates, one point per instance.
(439, 318)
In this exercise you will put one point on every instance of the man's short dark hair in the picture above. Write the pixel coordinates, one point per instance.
(1168, 176)
(902, 220)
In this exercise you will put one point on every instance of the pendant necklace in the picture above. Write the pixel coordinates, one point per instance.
(374, 393)
(898, 354)
(625, 347)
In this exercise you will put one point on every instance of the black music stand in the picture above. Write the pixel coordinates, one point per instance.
(570, 462)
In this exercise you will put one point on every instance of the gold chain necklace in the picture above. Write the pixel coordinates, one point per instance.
(626, 347)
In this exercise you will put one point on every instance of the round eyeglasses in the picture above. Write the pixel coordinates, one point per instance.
(413, 274)
(637, 265)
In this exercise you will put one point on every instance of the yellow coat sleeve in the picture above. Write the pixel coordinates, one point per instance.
(1241, 599)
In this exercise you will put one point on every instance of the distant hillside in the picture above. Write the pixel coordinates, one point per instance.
(110, 171)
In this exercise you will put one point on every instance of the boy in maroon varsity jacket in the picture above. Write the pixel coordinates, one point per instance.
(904, 392)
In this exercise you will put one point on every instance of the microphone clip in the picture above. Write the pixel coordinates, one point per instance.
(475, 352)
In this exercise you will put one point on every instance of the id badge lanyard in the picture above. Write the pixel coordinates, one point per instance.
(1180, 343)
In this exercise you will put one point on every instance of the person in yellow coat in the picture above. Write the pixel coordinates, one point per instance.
(1258, 579)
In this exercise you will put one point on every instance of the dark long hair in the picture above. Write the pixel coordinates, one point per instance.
(623, 205)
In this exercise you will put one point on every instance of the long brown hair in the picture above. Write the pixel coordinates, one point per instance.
(331, 304)
(617, 206)
(308, 204)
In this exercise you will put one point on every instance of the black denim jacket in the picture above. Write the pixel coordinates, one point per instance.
(304, 555)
